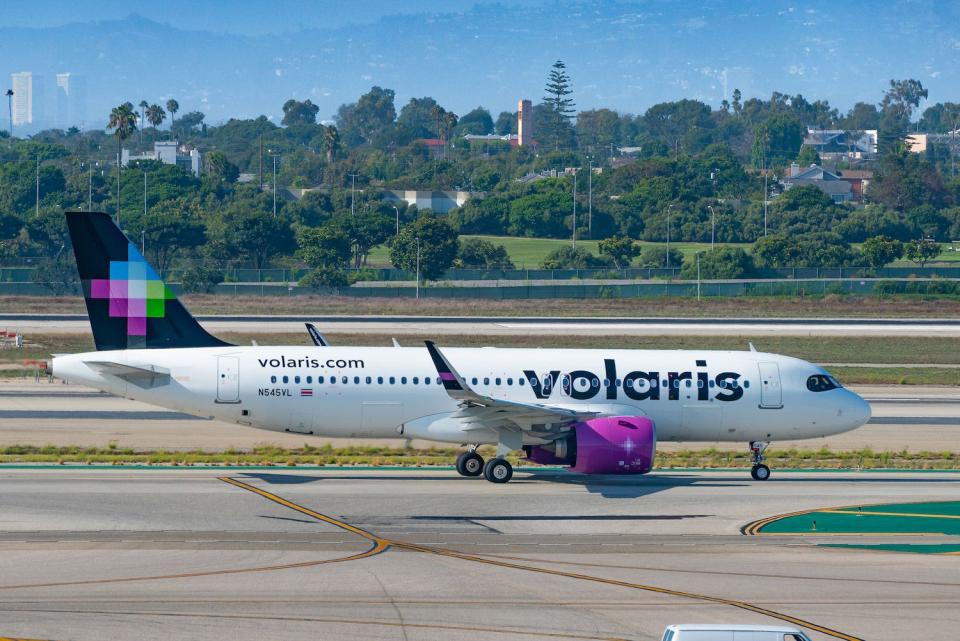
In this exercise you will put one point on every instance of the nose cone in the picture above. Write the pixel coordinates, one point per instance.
(856, 411)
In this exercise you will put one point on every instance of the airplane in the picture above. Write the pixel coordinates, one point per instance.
(596, 411)
(316, 337)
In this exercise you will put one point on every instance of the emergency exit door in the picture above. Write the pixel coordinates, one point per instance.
(771, 394)
(228, 379)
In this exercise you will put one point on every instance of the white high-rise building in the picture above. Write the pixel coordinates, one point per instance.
(71, 100)
(22, 85)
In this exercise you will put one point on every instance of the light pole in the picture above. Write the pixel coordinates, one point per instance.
(37, 214)
(397, 211)
(144, 193)
(143, 241)
(90, 188)
(10, 109)
(669, 207)
(713, 225)
(353, 190)
(590, 197)
(418, 268)
(574, 208)
(698, 276)
(274, 155)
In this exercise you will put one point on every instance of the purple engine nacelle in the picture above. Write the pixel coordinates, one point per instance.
(609, 445)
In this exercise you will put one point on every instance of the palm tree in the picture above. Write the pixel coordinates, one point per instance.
(331, 141)
(123, 121)
(156, 115)
(173, 107)
(143, 118)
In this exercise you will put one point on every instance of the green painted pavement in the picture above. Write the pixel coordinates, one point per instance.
(891, 518)
(946, 548)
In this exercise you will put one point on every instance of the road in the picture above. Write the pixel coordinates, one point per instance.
(494, 326)
(89, 554)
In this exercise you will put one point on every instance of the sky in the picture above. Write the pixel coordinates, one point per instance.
(244, 58)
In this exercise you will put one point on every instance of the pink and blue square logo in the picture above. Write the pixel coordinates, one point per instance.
(134, 290)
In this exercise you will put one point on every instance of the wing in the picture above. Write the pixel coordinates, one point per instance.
(484, 412)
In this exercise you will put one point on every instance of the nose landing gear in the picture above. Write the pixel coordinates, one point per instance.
(759, 472)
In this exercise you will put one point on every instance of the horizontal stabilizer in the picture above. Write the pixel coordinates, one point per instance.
(144, 376)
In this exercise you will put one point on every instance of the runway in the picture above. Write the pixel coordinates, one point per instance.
(160, 554)
(542, 326)
(904, 417)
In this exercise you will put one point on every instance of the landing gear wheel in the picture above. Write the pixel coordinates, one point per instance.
(498, 470)
(760, 472)
(470, 464)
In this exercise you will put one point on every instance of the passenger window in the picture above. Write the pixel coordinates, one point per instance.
(606, 382)
(356, 380)
(320, 380)
(509, 381)
(296, 380)
(333, 380)
(689, 384)
(415, 380)
(746, 384)
(285, 380)
(486, 380)
(309, 380)
(392, 380)
(712, 384)
(595, 382)
(403, 380)
(820, 383)
(520, 381)
(379, 380)
(473, 381)
(344, 380)
(273, 379)
(497, 381)
(439, 382)
(699, 384)
(666, 383)
(618, 382)
(368, 380)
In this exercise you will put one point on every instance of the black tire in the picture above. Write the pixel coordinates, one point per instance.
(498, 470)
(760, 472)
(470, 464)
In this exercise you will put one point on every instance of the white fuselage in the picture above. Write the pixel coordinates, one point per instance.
(387, 392)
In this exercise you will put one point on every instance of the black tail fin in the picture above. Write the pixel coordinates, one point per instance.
(128, 305)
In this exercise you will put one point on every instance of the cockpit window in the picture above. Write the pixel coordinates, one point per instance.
(821, 383)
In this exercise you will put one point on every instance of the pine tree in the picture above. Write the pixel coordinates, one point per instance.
(557, 99)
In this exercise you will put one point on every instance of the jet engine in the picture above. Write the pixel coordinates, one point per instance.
(608, 445)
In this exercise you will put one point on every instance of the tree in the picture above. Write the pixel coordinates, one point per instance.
(218, 167)
(366, 120)
(477, 252)
(331, 142)
(479, 122)
(777, 140)
(257, 236)
(921, 251)
(438, 247)
(143, 118)
(906, 181)
(772, 251)
(621, 250)
(557, 99)
(327, 250)
(123, 121)
(190, 121)
(173, 107)
(156, 115)
(656, 257)
(569, 257)
(296, 112)
(808, 156)
(723, 262)
(168, 230)
(365, 229)
(881, 250)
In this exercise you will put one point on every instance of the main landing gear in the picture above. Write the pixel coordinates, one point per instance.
(470, 463)
(496, 470)
(759, 472)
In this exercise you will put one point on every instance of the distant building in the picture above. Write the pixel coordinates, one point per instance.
(439, 201)
(169, 153)
(524, 123)
(840, 190)
(71, 100)
(436, 146)
(836, 144)
(22, 85)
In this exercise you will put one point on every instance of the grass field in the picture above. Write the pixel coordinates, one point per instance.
(528, 253)
(386, 456)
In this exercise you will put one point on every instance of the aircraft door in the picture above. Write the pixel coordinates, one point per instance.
(771, 395)
(228, 379)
